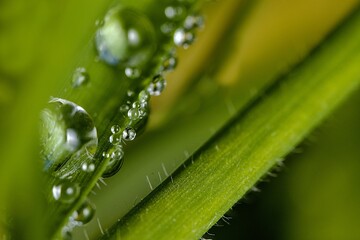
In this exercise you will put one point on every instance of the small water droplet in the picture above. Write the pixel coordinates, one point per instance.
(144, 96)
(127, 38)
(124, 108)
(183, 38)
(132, 73)
(65, 192)
(84, 213)
(167, 28)
(116, 159)
(67, 132)
(115, 128)
(130, 93)
(193, 21)
(169, 64)
(135, 104)
(175, 12)
(115, 138)
(88, 167)
(133, 113)
(80, 77)
(156, 87)
(129, 134)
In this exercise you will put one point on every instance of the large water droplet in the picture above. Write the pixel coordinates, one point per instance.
(116, 159)
(67, 132)
(183, 38)
(84, 213)
(65, 192)
(156, 87)
(129, 134)
(80, 77)
(127, 38)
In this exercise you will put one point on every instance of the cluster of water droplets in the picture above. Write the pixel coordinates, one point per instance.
(125, 39)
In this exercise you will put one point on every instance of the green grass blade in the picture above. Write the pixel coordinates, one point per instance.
(221, 172)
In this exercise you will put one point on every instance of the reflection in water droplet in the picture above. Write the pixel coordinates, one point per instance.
(80, 77)
(183, 38)
(156, 87)
(129, 134)
(127, 38)
(116, 158)
(67, 132)
(65, 192)
(132, 73)
(83, 214)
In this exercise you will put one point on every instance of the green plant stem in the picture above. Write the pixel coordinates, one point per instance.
(186, 205)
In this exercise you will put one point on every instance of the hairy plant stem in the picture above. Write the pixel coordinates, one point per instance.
(197, 195)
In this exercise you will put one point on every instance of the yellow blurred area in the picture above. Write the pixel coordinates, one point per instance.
(269, 37)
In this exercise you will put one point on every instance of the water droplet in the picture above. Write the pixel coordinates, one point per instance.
(175, 12)
(66, 192)
(124, 108)
(144, 96)
(127, 38)
(115, 138)
(88, 167)
(169, 64)
(67, 132)
(132, 73)
(156, 87)
(167, 28)
(142, 112)
(116, 159)
(193, 21)
(80, 77)
(183, 38)
(129, 134)
(133, 113)
(115, 129)
(84, 213)
(135, 104)
(130, 93)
